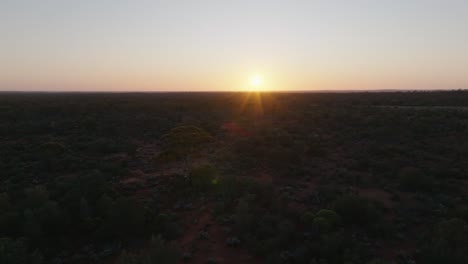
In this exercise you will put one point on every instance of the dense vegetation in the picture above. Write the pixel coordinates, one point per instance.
(286, 177)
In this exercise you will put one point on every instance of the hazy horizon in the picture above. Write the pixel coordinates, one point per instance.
(137, 46)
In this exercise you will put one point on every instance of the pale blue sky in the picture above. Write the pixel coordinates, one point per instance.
(217, 45)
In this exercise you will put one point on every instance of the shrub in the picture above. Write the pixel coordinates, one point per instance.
(35, 197)
(204, 178)
(447, 244)
(166, 225)
(331, 216)
(322, 223)
(230, 188)
(356, 210)
(185, 142)
(244, 217)
(308, 217)
(378, 261)
(53, 149)
(16, 252)
(159, 252)
(332, 246)
(127, 218)
(102, 146)
(413, 179)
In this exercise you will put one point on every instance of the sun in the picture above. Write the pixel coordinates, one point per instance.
(256, 82)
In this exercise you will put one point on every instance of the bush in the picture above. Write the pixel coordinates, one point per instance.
(322, 224)
(127, 218)
(16, 252)
(413, 179)
(447, 244)
(323, 221)
(331, 216)
(204, 178)
(166, 225)
(230, 188)
(356, 210)
(159, 252)
(52, 149)
(308, 217)
(244, 217)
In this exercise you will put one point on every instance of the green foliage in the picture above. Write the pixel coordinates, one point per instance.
(61, 156)
(332, 246)
(230, 188)
(126, 220)
(35, 197)
(102, 146)
(204, 178)
(158, 252)
(447, 244)
(379, 261)
(166, 225)
(356, 210)
(244, 217)
(333, 218)
(322, 223)
(308, 217)
(16, 252)
(104, 206)
(126, 258)
(184, 141)
(53, 149)
(5, 204)
(413, 179)
(162, 252)
(83, 206)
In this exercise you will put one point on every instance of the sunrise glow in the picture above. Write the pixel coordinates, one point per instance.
(232, 45)
(256, 82)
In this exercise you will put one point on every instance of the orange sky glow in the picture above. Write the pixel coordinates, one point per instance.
(213, 45)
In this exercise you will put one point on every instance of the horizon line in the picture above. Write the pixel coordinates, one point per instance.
(239, 91)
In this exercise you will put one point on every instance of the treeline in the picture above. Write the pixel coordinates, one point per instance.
(79, 216)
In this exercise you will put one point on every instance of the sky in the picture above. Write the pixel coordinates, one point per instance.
(205, 45)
